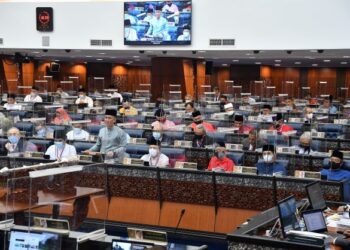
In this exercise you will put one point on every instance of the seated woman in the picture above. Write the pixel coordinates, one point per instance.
(42, 131)
(16, 144)
(61, 150)
(62, 117)
(155, 158)
(162, 121)
(220, 162)
(77, 133)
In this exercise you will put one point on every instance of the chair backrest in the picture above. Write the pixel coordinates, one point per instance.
(76, 117)
(236, 157)
(28, 127)
(3, 150)
(94, 129)
(175, 135)
(213, 137)
(81, 146)
(136, 150)
(21, 114)
(134, 133)
(174, 154)
(284, 163)
(42, 144)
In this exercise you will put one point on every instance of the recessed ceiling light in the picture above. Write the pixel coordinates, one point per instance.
(224, 64)
(313, 51)
(248, 54)
(99, 59)
(136, 56)
(315, 65)
(102, 53)
(235, 60)
(346, 56)
(57, 60)
(326, 60)
(258, 63)
(278, 60)
(344, 63)
(200, 57)
(309, 57)
(297, 63)
(215, 58)
(88, 56)
(113, 57)
(36, 52)
(277, 65)
(201, 51)
(252, 57)
(137, 60)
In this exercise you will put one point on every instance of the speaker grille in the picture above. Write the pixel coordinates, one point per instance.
(1, 41)
(106, 42)
(215, 42)
(228, 41)
(45, 41)
(94, 42)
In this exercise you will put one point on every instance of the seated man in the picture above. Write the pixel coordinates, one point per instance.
(116, 95)
(43, 131)
(217, 94)
(238, 123)
(220, 162)
(61, 150)
(11, 103)
(266, 114)
(197, 119)
(78, 133)
(60, 92)
(155, 158)
(335, 173)
(200, 137)
(290, 105)
(162, 121)
(16, 144)
(270, 166)
(33, 96)
(248, 100)
(229, 110)
(128, 110)
(223, 102)
(280, 126)
(304, 147)
(189, 109)
(327, 104)
(84, 99)
(252, 143)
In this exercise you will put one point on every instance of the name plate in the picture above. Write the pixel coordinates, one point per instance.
(182, 144)
(34, 154)
(253, 118)
(92, 137)
(144, 126)
(268, 132)
(296, 120)
(323, 111)
(341, 121)
(285, 150)
(277, 109)
(85, 158)
(139, 99)
(244, 170)
(282, 95)
(215, 103)
(34, 119)
(151, 114)
(318, 134)
(186, 165)
(245, 108)
(307, 174)
(147, 235)
(227, 130)
(179, 106)
(133, 161)
(138, 140)
(149, 105)
(209, 93)
(234, 147)
(128, 124)
(245, 94)
(220, 116)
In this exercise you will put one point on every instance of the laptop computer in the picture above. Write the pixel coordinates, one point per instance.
(287, 210)
(315, 195)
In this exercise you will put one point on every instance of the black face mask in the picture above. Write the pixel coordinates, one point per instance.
(334, 165)
(198, 122)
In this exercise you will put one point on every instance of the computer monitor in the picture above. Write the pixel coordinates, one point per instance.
(130, 245)
(315, 195)
(20, 240)
(287, 210)
(314, 221)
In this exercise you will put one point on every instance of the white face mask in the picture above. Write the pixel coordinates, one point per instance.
(82, 96)
(230, 112)
(77, 130)
(309, 116)
(186, 34)
(33, 94)
(267, 158)
(153, 152)
(156, 135)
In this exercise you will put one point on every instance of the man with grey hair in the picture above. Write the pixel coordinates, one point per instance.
(16, 144)
(304, 146)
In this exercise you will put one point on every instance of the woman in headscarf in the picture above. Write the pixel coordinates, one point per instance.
(62, 117)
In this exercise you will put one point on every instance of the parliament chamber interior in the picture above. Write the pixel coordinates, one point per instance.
(172, 130)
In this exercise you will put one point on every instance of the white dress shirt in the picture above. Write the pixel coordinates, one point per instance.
(162, 161)
(69, 151)
(29, 98)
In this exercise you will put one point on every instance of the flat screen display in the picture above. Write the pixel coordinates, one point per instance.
(158, 23)
(287, 212)
(39, 241)
(314, 221)
(315, 195)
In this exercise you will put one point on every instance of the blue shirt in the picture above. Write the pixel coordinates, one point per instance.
(270, 168)
(339, 175)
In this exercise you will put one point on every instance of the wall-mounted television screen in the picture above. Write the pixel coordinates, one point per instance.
(158, 23)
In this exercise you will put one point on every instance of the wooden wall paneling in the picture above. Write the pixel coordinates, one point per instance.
(190, 78)
(322, 74)
(340, 83)
(3, 82)
(98, 70)
(136, 76)
(347, 79)
(228, 219)
(10, 70)
(72, 69)
(28, 74)
(292, 74)
(220, 76)
(120, 78)
(244, 74)
(200, 79)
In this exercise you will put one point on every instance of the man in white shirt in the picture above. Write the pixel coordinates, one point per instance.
(77, 133)
(186, 35)
(11, 103)
(61, 150)
(33, 96)
(266, 114)
(84, 99)
(130, 34)
(155, 158)
(116, 95)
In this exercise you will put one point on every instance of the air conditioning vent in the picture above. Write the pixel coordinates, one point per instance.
(228, 41)
(215, 42)
(106, 42)
(1, 41)
(45, 41)
(94, 42)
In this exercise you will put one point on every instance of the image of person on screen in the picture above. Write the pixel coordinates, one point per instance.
(186, 35)
(130, 33)
(173, 10)
(130, 14)
(158, 29)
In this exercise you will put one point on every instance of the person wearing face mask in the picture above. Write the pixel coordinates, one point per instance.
(266, 113)
(252, 143)
(11, 103)
(269, 165)
(189, 109)
(229, 110)
(290, 105)
(60, 92)
(62, 117)
(186, 34)
(130, 34)
(242, 128)
(61, 150)
(42, 131)
(248, 100)
(154, 157)
(336, 173)
(16, 144)
(84, 99)
(197, 119)
(128, 110)
(77, 133)
(162, 120)
(220, 162)
(200, 137)
(33, 96)
(279, 125)
(304, 147)
(327, 105)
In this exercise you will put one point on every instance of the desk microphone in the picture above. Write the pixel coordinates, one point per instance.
(179, 221)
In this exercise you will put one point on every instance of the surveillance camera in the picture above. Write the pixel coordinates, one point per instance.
(45, 50)
(194, 52)
(67, 50)
(164, 52)
(256, 51)
(141, 51)
(320, 51)
(289, 52)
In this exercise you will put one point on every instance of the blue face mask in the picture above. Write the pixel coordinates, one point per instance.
(156, 135)
(59, 144)
(13, 139)
(77, 130)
